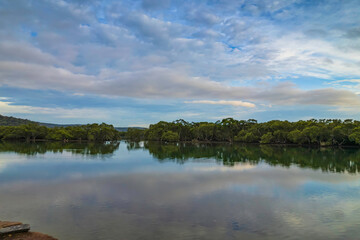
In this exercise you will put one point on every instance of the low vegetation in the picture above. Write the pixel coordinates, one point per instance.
(312, 132)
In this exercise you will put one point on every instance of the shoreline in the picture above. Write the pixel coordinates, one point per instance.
(28, 235)
(190, 142)
(247, 143)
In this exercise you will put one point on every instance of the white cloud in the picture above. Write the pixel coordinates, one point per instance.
(189, 52)
(349, 84)
(224, 102)
(160, 83)
(62, 113)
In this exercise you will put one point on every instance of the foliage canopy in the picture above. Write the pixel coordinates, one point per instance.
(312, 132)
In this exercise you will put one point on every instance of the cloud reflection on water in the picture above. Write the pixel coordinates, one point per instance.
(132, 196)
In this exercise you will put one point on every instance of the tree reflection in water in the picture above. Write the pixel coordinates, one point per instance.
(327, 159)
(33, 148)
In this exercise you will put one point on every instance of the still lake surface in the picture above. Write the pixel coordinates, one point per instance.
(149, 190)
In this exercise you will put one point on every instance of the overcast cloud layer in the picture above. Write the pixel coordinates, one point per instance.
(163, 60)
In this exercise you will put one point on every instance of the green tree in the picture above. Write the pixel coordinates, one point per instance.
(355, 136)
(170, 136)
(267, 138)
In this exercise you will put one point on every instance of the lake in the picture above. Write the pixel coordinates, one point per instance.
(149, 190)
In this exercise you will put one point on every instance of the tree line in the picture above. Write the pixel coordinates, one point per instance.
(322, 132)
(33, 131)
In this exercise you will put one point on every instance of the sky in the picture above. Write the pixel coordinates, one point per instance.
(136, 62)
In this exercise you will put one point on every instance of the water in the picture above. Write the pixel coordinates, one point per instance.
(181, 191)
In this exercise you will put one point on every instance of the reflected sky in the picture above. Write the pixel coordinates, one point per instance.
(132, 193)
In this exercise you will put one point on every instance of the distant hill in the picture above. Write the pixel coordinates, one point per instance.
(124, 129)
(13, 121)
(52, 125)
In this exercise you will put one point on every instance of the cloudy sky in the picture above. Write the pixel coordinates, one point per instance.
(131, 63)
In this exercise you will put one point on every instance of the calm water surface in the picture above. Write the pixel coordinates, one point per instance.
(153, 191)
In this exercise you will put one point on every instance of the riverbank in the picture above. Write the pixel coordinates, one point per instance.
(22, 235)
(247, 143)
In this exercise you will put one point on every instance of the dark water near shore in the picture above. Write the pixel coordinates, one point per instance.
(181, 191)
